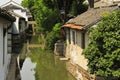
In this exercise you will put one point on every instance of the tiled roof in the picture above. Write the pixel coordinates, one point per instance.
(90, 17)
(16, 14)
(5, 14)
(11, 4)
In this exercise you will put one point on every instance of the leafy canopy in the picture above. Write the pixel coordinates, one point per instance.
(50, 14)
(103, 52)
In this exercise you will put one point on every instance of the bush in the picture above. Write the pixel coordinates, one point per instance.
(53, 36)
(103, 52)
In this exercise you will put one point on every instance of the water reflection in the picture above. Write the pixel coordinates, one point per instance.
(49, 67)
(53, 70)
(27, 72)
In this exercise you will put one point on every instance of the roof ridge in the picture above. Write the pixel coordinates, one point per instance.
(91, 16)
(10, 2)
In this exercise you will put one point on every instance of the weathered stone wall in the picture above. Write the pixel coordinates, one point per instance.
(78, 63)
(78, 72)
(74, 51)
(4, 56)
(59, 48)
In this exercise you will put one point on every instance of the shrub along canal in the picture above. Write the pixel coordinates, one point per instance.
(44, 66)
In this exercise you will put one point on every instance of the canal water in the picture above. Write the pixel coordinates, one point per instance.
(43, 65)
(27, 72)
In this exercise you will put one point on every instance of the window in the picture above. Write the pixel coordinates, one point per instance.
(83, 40)
(73, 37)
(69, 37)
(73, 33)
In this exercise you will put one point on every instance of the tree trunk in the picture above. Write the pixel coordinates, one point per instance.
(91, 3)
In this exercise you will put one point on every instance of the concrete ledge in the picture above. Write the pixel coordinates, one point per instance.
(64, 59)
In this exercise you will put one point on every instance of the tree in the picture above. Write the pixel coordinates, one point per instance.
(24, 3)
(103, 52)
(44, 13)
(70, 8)
(48, 13)
(91, 3)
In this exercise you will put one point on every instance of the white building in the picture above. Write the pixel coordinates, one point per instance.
(20, 25)
(20, 13)
(6, 21)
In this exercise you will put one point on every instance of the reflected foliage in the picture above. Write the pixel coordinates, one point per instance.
(48, 66)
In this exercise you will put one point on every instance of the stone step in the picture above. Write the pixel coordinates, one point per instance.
(64, 59)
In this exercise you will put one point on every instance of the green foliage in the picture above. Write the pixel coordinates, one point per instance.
(45, 18)
(53, 36)
(25, 3)
(50, 3)
(43, 12)
(47, 14)
(104, 14)
(56, 28)
(34, 40)
(103, 52)
(70, 8)
(78, 7)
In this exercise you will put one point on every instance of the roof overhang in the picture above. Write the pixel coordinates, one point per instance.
(73, 26)
(18, 15)
(5, 14)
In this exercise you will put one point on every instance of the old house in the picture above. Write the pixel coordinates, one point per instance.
(19, 12)
(77, 39)
(6, 22)
(20, 25)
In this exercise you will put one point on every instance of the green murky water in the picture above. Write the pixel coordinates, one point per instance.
(49, 67)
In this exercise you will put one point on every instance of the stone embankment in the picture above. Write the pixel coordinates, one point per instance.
(34, 45)
(13, 73)
(78, 72)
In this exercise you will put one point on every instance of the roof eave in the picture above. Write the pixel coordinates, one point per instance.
(6, 15)
(73, 26)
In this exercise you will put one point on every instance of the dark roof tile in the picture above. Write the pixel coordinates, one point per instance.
(91, 16)
(5, 14)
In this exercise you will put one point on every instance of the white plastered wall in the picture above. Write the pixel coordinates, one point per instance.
(74, 51)
(4, 56)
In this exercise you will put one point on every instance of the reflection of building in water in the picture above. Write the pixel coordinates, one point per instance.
(31, 27)
(28, 70)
